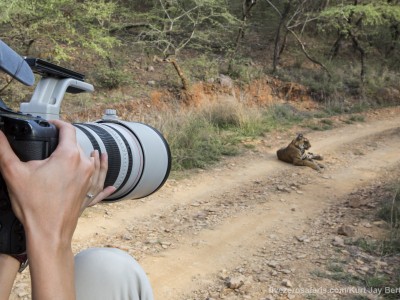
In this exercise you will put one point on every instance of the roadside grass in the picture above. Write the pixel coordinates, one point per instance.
(320, 124)
(335, 271)
(201, 137)
(388, 246)
(354, 118)
(196, 143)
(389, 211)
(383, 282)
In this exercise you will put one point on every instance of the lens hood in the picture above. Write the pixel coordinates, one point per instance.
(15, 65)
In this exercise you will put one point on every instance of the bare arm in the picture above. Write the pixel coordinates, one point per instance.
(48, 197)
(8, 270)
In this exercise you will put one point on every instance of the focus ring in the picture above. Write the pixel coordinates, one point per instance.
(114, 158)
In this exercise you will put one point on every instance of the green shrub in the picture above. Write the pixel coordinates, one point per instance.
(202, 68)
(112, 78)
(244, 70)
(232, 116)
(223, 115)
(197, 143)
(390, 210)
(279, 115)
(355, 118)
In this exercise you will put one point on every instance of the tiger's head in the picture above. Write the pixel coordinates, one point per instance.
(301, 142)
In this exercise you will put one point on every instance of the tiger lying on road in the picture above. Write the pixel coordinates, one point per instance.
(295, 153)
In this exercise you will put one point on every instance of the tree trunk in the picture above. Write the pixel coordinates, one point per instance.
(357, 46)
(336, 46)
(181, 74)
(338, 43)
(278, 36)
(179, 71)
(246, 8)
(395, 33)
(283, 45)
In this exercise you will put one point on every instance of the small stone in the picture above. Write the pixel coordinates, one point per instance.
(234, 283)
(262, 278)
(282, 188)
(223, 274)
(346, 230)
(225, 81)
(272, 264)
(303, 238)
(287, 283)
(338, 241)
(165, 245)
(381, 224)
(355, 203)
(127, 237)
(152, 241)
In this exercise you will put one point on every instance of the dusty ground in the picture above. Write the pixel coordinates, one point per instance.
(253, 227)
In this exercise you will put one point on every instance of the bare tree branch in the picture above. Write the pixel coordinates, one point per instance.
(289, 29)
(303, 48)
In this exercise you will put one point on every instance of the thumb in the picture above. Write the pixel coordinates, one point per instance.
(7, 156)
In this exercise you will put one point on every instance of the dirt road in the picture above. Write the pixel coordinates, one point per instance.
(250, 224)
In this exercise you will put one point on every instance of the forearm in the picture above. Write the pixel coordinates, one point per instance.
(51, 264)
(8, 270)
(48, 196)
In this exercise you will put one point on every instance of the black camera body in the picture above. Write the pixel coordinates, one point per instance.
(31, 138)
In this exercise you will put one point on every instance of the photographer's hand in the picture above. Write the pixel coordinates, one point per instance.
(48, 197)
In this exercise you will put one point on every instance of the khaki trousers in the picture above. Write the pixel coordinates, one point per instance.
(110, 274)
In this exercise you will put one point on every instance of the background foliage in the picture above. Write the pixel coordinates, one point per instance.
(339, 49)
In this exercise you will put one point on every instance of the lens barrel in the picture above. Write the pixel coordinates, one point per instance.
(139, 158)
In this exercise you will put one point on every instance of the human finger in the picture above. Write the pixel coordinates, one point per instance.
(97, 192)
(67, 135)
(94, 187)
(102, 195)
(97, 167)
(103, 169)
(8, 158)
(68, 146)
